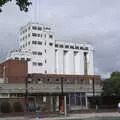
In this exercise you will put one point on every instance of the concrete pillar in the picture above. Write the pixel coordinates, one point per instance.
(51, 103)
(65, 106)
(86, 101)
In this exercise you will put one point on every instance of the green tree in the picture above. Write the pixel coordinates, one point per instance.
(111, 86)
(23, 4)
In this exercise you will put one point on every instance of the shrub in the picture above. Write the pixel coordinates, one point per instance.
(6, 107)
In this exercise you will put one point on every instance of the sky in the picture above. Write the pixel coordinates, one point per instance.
(94, 21)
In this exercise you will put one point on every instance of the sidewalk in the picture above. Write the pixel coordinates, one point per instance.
(69, 117)
(82, 116)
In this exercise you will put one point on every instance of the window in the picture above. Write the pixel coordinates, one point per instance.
(86, 48)
(81, 48)
(28, 35)
(34, 27)
(51, 36)
(61, 46)
(46, 72)
(72, 46)
(34, 42)
(56, 45)
(66, 46)
(39, 43)
(39, 28)
(16, 58)
(34, 53)
(76, 47)
(57, 79)
(40, 64)
(28, 59)
(39, 53)
(45, 61)
(38, 35)
(45, 42)
(29, 43)
(50, 44)
(34, 34)
(41, 35)
(34, 63)
(45, 51)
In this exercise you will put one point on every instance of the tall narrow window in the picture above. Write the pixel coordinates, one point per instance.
(85, 64)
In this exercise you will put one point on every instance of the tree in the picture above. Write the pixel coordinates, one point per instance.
(111, 86)
(23, 4)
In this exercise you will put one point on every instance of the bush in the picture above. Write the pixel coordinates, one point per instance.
(6, 107)
(17, 106)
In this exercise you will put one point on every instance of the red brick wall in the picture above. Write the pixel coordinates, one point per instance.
(15, 71)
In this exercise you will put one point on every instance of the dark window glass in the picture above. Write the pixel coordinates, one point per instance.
(39, 42)
(45, 61)
(66, 46)
(34, 34)
(28, 59)
(34, 42)
(81, 48)
(76, 47)
(34, 27)
(34, 53)
(61, 46)
(72, 46)
(50, 44)
(46, 72)
(39, 53)
(38, 35)
(56, 45)
(39, 28)
(16, 58)
(50, 36)
(40, 64)
(86, 48)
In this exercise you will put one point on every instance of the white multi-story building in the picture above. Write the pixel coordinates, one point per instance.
(44, 54)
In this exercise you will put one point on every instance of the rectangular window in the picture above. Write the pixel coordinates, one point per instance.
(34, 27)
(39, 43)
(81, 48)
(16, 58)
(61, 46)
(50, 44)
(34, 42)
(76, 47)
(51, 36)
(56, 45)
(34, 34)
(72, 46)
(28, 59)
(39, 28)
(34, 53)
(34, 63)
(66, 46)
(38, 35)
(86, 48)
(39, 53)
(40, 64)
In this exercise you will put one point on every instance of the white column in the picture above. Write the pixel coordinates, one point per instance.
(65, 106)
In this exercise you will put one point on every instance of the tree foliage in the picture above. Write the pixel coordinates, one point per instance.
(111, 86)
(23, 4)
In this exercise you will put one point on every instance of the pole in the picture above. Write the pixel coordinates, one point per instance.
(93, 87)
(26, 95)
(62, 86)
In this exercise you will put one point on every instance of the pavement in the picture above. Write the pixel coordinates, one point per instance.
(69, 117)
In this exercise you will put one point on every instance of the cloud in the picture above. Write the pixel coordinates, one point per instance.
(96, 21)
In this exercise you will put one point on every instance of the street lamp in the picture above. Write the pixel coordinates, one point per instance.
(28, 79)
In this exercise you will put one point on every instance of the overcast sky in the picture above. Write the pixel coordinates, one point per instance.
(96, 21)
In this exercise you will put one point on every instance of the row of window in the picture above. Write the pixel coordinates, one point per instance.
(37, 42)
(40, 35)
(27, 59)
(37, 64)
(71, 46)
(37, 53)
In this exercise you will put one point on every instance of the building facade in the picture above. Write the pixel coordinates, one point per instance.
(44, 54)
